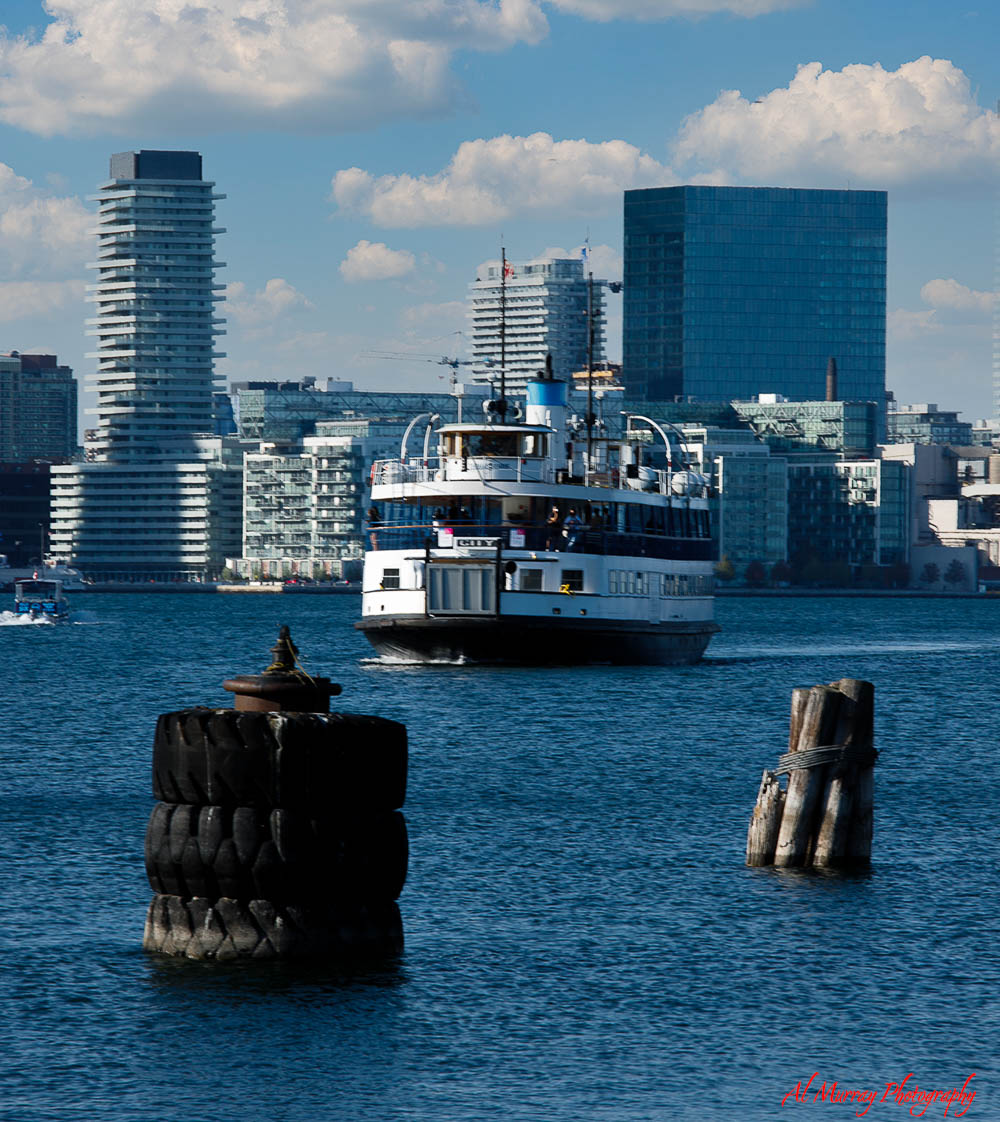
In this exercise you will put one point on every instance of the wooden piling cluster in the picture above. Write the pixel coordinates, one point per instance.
(824, 817)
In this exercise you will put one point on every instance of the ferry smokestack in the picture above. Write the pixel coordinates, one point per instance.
(831, 379)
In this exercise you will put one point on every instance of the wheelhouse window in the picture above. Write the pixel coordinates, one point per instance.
(390, 578)
(490, 444)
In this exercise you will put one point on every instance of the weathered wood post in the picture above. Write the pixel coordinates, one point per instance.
(824, 818)
(842, 797)
(278, 832)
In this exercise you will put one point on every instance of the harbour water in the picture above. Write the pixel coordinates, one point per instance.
(583, 940)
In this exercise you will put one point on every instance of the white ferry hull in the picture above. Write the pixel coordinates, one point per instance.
(538, 641)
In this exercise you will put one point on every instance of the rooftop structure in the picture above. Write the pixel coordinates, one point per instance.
(847, 428)
(926, 424)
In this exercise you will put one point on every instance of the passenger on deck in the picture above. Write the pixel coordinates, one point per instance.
(374, 521)
(553, 525)
(571, 528)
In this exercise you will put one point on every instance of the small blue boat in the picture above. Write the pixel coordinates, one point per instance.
(40, 599)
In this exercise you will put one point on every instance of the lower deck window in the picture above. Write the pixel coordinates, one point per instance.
(572, 580)
(531, 580)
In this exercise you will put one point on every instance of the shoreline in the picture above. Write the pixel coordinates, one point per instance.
(189, 587)
(861, 593)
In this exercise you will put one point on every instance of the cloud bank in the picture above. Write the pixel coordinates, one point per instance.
(917, 126)
(222, 64)
(488, 180)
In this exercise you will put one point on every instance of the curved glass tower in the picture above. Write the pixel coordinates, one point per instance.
(155, 296)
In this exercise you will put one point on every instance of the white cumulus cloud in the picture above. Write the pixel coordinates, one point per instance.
(114, 65)
(487, 180)
(650, 10)
(40, 233)
(948, 293)
(917, 125)
(368, 261)
(23, 299)
(265, 305)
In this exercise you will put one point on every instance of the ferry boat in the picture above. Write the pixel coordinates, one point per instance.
(536, 541)
(40, 599)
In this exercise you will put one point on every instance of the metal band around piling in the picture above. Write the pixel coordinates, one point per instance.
(826, 754)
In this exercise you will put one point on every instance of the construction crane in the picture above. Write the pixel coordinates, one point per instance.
(443, 360)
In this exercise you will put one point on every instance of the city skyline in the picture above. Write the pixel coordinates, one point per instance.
(364, 192)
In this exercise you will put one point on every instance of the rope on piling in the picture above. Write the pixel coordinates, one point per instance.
(840, 754)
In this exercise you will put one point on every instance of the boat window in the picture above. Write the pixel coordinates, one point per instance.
(390, 578)
(491, 444)
(39, 588)
(531, 580)
(572, 580)
(613, 581)
(535, 444)
(634, 523)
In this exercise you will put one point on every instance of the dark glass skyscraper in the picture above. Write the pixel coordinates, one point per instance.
(735, 291)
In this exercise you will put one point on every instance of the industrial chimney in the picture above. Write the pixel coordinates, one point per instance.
(831, 379)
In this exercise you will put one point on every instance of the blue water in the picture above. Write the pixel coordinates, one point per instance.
(583, 939)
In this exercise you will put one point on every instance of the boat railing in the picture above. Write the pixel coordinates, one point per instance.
(535, 538)
(513, 469)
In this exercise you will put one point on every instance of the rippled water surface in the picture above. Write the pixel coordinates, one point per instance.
(583, 940)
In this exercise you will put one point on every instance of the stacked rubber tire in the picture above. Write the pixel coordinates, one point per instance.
(276, 834)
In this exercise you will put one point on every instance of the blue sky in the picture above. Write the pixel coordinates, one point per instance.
(374, 152)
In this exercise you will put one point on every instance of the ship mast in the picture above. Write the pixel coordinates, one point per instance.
(503, 327)
(590, 376)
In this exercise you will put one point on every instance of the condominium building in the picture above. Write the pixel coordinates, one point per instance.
(160, 496)
(305, 503)
(37, 409)
(537, 308)
(153, 519)
(849, 513)
(734, 291)
(749, 499)
(155, 297)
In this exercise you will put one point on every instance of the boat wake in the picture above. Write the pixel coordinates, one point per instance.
(392, 661)
(16, 619)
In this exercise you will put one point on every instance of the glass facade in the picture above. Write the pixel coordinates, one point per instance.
(734, 291)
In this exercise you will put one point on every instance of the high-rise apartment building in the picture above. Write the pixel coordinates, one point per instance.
(155, 296)
(37, 409)
(734, 291)
(160, 497)
(539, 308)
